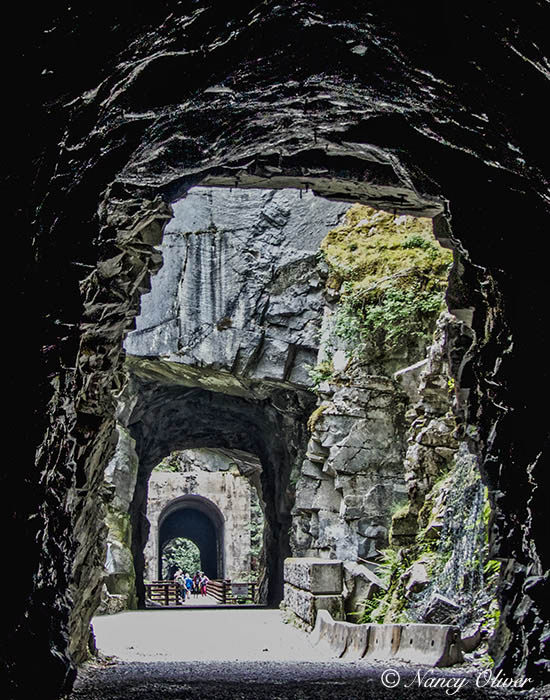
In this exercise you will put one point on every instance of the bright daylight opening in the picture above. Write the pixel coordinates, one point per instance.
(292, 414)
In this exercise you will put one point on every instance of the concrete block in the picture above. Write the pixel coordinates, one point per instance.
(319, 636)
(471, 638)
(383, 642)
(319, 576)
(332, 635)
(339, 635)
(430, 645)
(307, 605)
(358, 641)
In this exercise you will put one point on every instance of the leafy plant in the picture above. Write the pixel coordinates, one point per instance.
(180, 553)
(389, 317)
(416, 241)
(321, 372)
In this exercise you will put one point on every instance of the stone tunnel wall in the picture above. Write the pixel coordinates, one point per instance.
(397, 106)
(226, 488)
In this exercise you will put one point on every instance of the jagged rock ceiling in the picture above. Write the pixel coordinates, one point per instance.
(383, 102)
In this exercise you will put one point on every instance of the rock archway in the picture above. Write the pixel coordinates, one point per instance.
(197, 519)
(388, 105)
(168, 417)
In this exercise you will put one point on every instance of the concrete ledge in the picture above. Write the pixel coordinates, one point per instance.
(319, 576)
(383, 642)
(358, 642)
(434, 645)
(307, 605)
(430, 645)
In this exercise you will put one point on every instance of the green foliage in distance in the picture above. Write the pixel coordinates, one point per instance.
(180, 553)
(387, 318)
(170, 463)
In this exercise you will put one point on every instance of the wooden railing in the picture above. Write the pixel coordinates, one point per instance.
(163, 592)
(216, 589)
(224, 592)
(228, 592)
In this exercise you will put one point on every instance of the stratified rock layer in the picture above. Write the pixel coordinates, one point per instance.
(239, 292)
(393, 105)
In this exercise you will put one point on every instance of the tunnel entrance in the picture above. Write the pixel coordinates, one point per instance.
(213, 497)
(395, 119)
(199, 520)
(222, 358)
(168, 418)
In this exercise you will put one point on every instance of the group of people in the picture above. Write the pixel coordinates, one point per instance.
(187, 585)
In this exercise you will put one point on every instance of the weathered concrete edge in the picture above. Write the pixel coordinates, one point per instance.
(430, 645)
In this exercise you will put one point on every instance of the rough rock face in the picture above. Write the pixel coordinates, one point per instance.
(239, 292)
(433, 436)
(439, 569)
(353, 475)
(376, 268)
(394, 105)
(121, 474)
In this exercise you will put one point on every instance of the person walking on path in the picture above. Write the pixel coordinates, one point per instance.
(196, 583)
(187, 585)
(178, 578)
(203, 583)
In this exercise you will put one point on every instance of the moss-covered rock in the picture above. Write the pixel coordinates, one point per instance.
(390, 273)
(372, 246)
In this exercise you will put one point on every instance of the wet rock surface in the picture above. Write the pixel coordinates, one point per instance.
(397, 106)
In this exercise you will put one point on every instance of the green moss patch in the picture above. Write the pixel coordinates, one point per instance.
(371, 245)
(392, 275)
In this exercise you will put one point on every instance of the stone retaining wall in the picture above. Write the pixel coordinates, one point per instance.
(312, 585)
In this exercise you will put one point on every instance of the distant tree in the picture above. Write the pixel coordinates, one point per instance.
(180, 553)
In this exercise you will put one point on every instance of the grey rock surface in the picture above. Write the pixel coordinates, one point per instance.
(319, 576)
(239, 291)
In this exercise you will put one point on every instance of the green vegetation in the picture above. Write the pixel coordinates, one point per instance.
(386, 603)
(391, 273)
(169, 463)
(180, 553)
(314, 417)
(372, 245)
(416, 241)
(321, 372)
(386, 318)
(454, 554)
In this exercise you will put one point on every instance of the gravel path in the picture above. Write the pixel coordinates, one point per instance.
(250, 655)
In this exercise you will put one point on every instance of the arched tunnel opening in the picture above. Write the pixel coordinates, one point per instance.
(200, 521)
(168, 418)
(359, 106)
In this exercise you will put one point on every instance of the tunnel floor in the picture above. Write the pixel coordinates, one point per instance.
(249, 654)
(217, 634)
